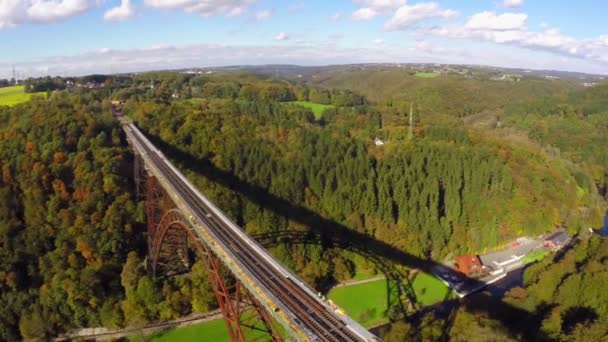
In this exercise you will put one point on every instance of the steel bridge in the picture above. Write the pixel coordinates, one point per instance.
(260, 291)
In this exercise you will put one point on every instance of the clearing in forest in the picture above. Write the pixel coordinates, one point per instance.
(427, 74)
(10, 96)
(316, 108)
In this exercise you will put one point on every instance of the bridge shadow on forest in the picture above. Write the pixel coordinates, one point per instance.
(519, 323)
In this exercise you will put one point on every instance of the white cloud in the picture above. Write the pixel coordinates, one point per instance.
(12, 13)
(337, 16)
(296, 7)
(16, 12)
(431, 49)
(365, 14)
(403, 14)
(512, 3)
(54, 10)
(502, 22)
(407, 15)
(263, 15)
(378, 41)
(511, 29)
(120, 13)
(281, 36)
(205, 7)
(374, 8)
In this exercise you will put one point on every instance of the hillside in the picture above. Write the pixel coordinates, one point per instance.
(73, 233)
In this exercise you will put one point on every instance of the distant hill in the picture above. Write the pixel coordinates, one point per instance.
(305, 72)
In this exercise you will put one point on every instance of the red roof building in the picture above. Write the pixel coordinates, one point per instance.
(468, 264)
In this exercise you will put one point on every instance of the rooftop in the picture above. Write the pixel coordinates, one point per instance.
(467, 264)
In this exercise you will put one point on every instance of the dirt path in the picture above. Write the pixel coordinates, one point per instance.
(358, 282)
(101, 334)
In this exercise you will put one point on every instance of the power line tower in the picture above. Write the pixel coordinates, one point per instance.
(411, 128)
(14, 75)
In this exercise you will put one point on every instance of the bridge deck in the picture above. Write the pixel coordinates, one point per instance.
(295, 306)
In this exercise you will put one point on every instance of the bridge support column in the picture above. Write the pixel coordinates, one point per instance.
(249, 303)
(139, 176)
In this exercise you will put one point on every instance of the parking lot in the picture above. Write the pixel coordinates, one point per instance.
(510, 258)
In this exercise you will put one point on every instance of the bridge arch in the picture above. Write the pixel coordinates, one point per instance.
(170, 244)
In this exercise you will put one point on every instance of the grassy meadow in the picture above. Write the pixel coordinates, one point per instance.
(427, 74)
(214, 330)
(209, 331)
(316, 108)
(428, 289)
(10, 96)
(365, 303)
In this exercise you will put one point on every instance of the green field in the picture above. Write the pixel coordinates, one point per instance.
(535, 256)
(364, 274)
(209, 331)
(10, 96)
(365, 303)
(428, 289)
(427, 74)
(316, 108)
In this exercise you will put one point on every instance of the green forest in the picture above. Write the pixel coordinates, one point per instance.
(483, 163)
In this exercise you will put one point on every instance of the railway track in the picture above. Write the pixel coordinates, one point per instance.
(318, 320)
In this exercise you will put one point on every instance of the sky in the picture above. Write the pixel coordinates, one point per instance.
(78, 37)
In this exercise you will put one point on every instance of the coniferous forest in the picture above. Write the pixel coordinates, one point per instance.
(469, 175)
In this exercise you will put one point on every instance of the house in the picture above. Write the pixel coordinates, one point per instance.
(468, 265)
(556, 240)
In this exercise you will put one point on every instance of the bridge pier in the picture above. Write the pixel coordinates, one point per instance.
(139, 177)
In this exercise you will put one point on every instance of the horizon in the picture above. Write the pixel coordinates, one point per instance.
(80, 37)
(245, 68)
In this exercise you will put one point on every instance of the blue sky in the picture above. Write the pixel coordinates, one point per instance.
(75, 37)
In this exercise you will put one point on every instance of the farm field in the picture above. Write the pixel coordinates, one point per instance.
(316, 108)
(427, 74)
(10, 96)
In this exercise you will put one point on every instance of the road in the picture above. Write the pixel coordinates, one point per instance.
(302, 307)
